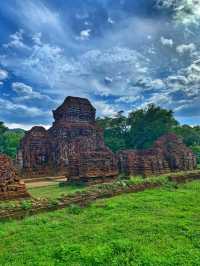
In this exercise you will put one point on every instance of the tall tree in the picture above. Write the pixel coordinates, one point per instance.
(115, 131)
(148, 124)
(190, 135)
(3, 129)
(9, 140)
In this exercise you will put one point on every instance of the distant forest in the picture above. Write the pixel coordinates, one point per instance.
(137, 131)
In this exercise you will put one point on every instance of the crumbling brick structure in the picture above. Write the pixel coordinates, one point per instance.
(10, 185)
(73, 146)
(145, 163)
(177, 154)
(35, 152)
(167, 154)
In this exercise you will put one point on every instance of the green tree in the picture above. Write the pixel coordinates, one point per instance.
(3, 129)
(190, 135)
(115, 131)
(9, 140)
(148, 124)
(196, 151)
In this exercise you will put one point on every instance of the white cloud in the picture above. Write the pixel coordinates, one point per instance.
(157, 84)
(43, 63)
(128, 99)
(186, 48)
(176, 82)
(37, 38)
(36, 15)
(111, 21)
(84, 35)
(100, 89)
(186, 12)
(104, 109)
(26, 92)
(159, 99)
(22, 88)
(24, 126)
(7, 106)
(49, 67)
(16, 41)
(3, 74)
(166, 42)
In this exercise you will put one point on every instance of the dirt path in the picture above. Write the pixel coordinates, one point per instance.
(43, 182)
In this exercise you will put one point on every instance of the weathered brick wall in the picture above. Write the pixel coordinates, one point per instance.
(10, 185)
(83, 154)
(146, 163)
(167, 154)
(35, 152)
(178, 155)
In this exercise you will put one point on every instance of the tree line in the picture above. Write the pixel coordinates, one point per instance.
(142, 127)
(10, 140)
(138, 130)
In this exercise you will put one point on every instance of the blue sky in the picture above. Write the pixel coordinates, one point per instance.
(121, 54)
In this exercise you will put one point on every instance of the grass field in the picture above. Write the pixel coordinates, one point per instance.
(154, 227)
(53, 191)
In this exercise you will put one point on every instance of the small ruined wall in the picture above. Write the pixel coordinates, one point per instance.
(167, 154)
(146, 163)
(93, 166)
(178, 155)
(10, 185)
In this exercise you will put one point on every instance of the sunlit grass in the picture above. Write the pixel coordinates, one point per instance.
(153, 227)
(53, 191)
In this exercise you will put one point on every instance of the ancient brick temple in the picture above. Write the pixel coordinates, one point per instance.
(73, 146)
(10, 185)
(167, 154)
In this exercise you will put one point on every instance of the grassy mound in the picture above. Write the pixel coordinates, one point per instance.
(154, 227)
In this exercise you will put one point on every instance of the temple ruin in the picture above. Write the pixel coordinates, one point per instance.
(10, 185)
(168, 154)
(73, 146)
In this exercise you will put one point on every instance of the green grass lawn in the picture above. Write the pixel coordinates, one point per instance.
(53, 191)
(154, 227)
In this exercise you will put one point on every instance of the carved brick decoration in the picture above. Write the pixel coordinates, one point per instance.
(10, 185)
(73, 146)
(167, 154)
